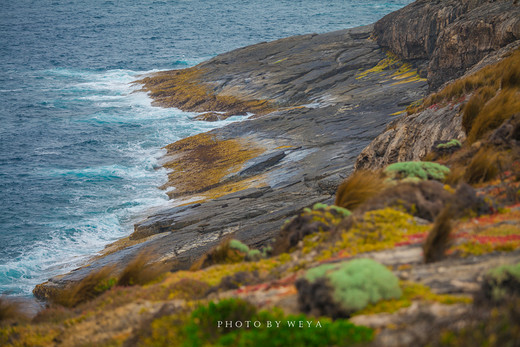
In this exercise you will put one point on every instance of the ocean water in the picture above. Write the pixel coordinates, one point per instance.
(80, 144)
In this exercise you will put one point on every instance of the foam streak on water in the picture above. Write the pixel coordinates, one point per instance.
(96, 166)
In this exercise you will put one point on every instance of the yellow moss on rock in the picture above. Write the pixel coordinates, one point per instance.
(377, 230)
(412, 292)
(28, 335)
(201, 162)
(405, 72)
(186, 90)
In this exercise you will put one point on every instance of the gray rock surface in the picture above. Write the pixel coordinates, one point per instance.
(411, 137)
(447, 37)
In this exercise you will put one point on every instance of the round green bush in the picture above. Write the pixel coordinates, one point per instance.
(357, 283)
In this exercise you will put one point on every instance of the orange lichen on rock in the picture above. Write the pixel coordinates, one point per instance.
(200, 163)
(186, 90)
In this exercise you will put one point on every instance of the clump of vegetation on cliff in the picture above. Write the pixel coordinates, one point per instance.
(10, 311)
(357, 188)
(340, 290)
(141, 270)
(438, 239)
(321, 218)
(417, 170)
(502, 283)
(495, 96)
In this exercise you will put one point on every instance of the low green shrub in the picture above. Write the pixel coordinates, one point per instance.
(501, 283)
(350, 285)
(417, 170)
(449, 144)
(206, 326)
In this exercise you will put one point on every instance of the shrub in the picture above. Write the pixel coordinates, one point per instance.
(505, 104)
(418, 170)
(350, 286)
(141, 270)
(93, 285)
(438, 239)
(322, 218)
(498, 328)
(483, 167)
(501, 283)
(450, 144)
(359, 187)
(424, 199)
(202, 328)
(10, 311)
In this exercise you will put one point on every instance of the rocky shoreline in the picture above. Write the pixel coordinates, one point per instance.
(318, 100)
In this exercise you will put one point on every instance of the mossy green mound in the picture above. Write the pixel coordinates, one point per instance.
(501, 283)
(417, 170)
(357, 283)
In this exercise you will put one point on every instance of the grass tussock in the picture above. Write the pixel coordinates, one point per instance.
(495, 96)
(483, 167)
(10, 311)
(456, 175)
(93, 285)
(221, 254)
(500, 108)
(472, 108)
(438, 239)
(358, 188)
(141, 270)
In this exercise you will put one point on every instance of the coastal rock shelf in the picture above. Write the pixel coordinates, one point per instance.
(329, 95)
(317, 101)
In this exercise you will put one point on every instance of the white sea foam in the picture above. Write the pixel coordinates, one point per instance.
(103, 212)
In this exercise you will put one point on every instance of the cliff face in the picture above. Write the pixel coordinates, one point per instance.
(412, 137)
(447, 37)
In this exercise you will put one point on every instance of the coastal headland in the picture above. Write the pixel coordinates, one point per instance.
(317, 109)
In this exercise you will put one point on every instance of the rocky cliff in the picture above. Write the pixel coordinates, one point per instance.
(449, 39)
(445, 38)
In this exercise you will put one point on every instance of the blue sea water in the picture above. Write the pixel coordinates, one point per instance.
(79, 144)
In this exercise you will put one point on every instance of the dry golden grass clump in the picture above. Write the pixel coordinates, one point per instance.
(141, 270)
(93, 285)
(221, 254)
(483, 167)
(11, 311)
(493, 113)
(438, 239)
(496, 96)
(358, 188)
